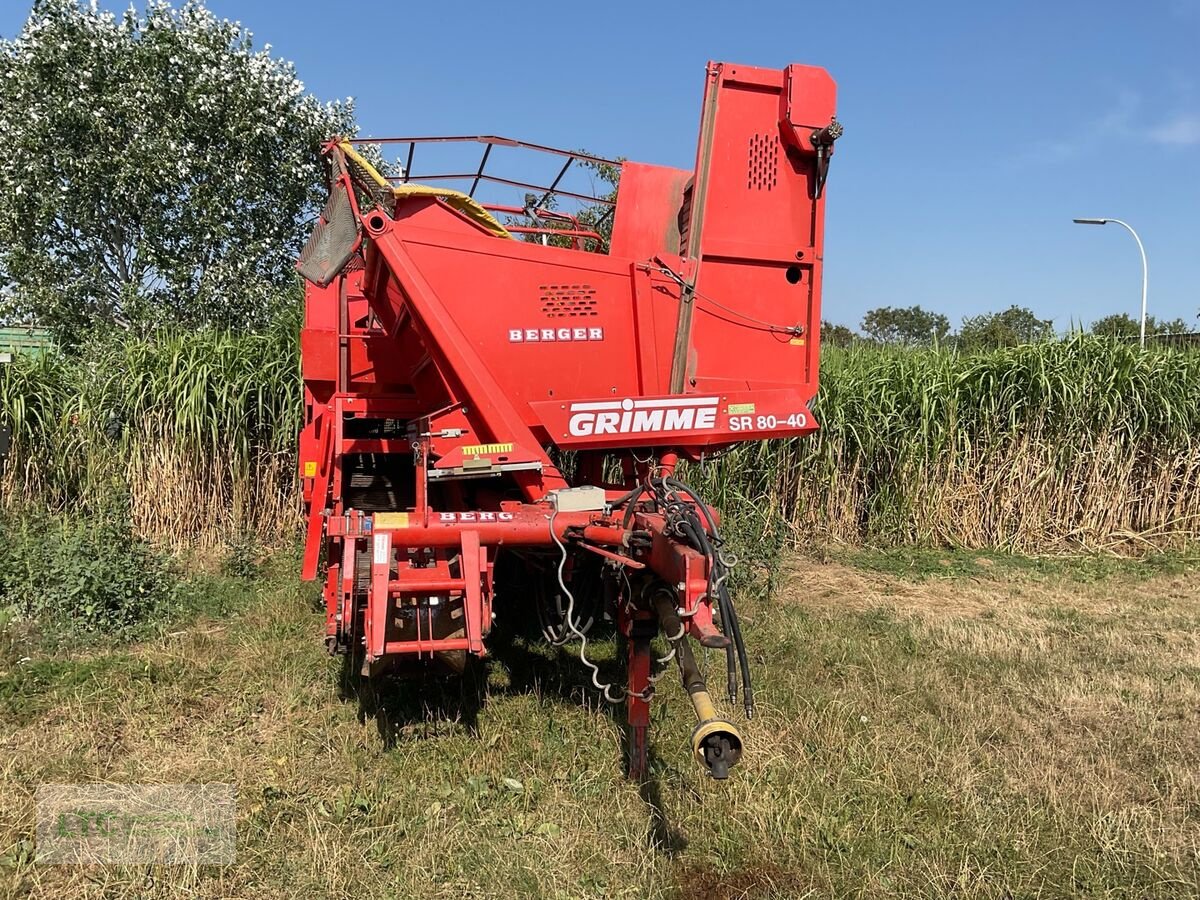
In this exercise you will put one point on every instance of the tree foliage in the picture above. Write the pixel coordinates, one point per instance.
(1015, 325)
(156, 169)
(1125, 326)
(905, 325)
(837, 335)
(590, 216)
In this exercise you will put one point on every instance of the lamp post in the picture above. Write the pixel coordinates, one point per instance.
(1141, 250)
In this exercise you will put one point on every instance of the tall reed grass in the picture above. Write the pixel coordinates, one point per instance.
(1082, 443)
(198, 428)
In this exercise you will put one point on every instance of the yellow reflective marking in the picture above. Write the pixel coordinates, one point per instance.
(391, 520)
(486, 449)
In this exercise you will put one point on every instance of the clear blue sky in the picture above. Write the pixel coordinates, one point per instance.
(974, 131)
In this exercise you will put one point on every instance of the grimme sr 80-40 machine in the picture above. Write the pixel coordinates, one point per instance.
(495, 411)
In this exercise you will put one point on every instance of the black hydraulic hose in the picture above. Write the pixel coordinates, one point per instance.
(629, 501)
(735, 653)
(703, 507)
(736, 629)
(731, 667)
(728, 611)
(625, 498)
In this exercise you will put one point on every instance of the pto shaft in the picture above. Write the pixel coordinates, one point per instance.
(716, 743)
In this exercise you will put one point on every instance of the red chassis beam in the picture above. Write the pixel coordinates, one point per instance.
(475, 534)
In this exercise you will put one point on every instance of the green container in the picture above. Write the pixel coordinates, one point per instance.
(24, 339)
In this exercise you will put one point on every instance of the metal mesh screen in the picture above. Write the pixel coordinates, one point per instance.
(372, 192)
(332, 242)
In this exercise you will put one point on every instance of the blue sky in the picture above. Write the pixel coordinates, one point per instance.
(974, 131)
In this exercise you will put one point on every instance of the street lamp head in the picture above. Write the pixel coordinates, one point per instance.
(1141, 250)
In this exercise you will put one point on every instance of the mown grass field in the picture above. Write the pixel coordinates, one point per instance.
(930, 725)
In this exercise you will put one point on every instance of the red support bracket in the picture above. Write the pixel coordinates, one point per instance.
(474, 571)
(378, 601)
(320, 500)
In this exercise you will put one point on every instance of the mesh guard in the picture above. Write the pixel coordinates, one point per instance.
(332, 242)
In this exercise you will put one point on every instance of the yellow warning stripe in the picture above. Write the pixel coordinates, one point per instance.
(486, 449)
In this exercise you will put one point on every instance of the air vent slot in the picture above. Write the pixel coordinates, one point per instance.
(562, 301)
(763, 170)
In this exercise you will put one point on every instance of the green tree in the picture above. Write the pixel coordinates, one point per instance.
(1172, 326)
(1126, 327)
(156, 169)
(1120, 325)
(597, 216)
(837, 335)
(905, 325)
(1015, 325)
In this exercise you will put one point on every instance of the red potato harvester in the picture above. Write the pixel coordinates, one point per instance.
(477, 393)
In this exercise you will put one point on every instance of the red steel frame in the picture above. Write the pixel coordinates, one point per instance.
(468, 362)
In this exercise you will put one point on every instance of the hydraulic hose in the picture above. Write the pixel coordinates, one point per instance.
(736, 633)
(698, 541)
(728, 612)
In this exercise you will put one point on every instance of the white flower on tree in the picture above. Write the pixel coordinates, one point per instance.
(157, 169)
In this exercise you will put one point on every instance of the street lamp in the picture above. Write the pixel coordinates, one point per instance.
(1141, 250)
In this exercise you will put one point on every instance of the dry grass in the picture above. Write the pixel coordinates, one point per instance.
(1076, 444)
(1035, 449)
(996, 732)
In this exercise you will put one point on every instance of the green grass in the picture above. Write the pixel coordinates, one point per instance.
(30, 689)
(1037, 739)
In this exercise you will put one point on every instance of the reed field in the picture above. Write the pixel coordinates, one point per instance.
(932, 722)
(197, 429)
(1081, 444)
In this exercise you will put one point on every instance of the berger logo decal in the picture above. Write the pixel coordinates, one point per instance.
(630, 416)
(553, 335)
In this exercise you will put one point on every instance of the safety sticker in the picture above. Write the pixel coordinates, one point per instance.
(391, 520)
(383, 549)
(486, 449)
